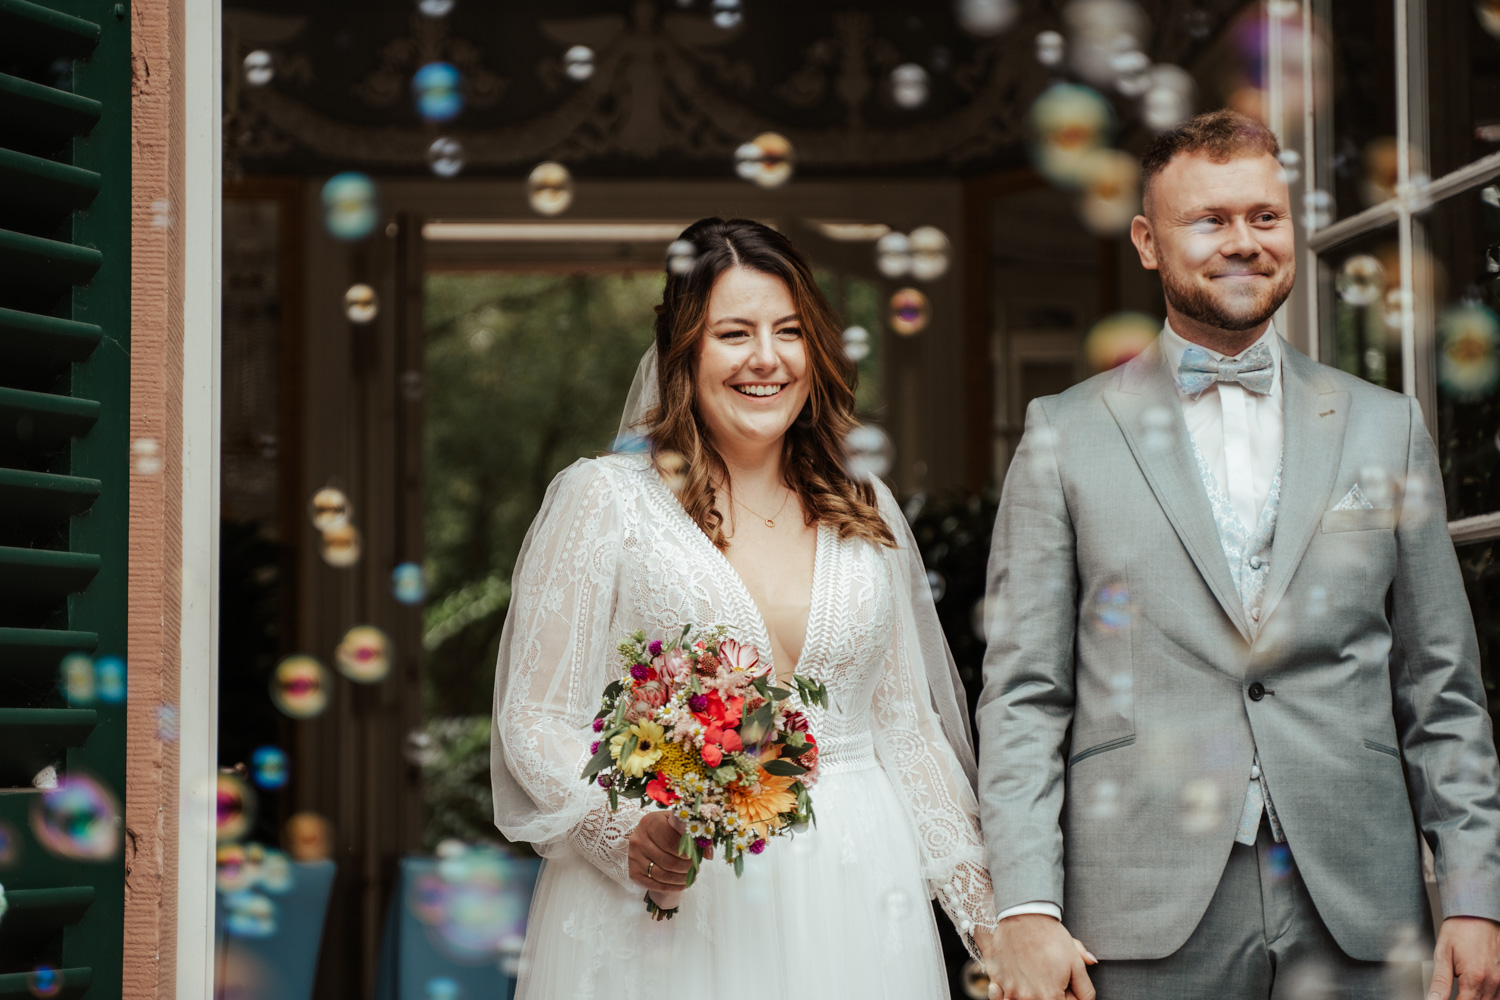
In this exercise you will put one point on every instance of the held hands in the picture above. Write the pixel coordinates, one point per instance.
(654, 862)
(1468, 949)
(1032, 956)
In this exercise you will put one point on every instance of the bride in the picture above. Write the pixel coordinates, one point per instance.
(770, 534)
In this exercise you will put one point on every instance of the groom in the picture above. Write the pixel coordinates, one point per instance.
(1232, 676)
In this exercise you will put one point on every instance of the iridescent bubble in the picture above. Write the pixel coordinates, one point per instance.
(1394, 306)
(438, 89)
(1284, 8)
(77, 670)
(1291, 165)
(435, 8)
(1105, 802)
(1132, 71)
(937, 585)
(308, 837)
(869, 452)
(329, 508)
(409, 583)
(1317, 209)
(80, 819)
(44, 981)
(1201, 808)
(1488, 12)
(897, 904)
(233, 869)
(1050, 48)
(1111, 195)
(893, 254)
(681, 255)
(421, 749)
(1468, 368)
(341, 546)
(856, 344)
(442, 988)
(1069, 121)
(269, 768)
(1361, 280)
(10, 845)
(350, 210)
(1116, 339)
(672, 466)
(909, 312)
(578, 63)
(445, 157)
(1112, 608)
(930, 251)
(727, 14)
(986, 18)
(248, 914)
(146, 455)
(1168, 99)
(1279, 862)
(300, 687)
(1490, 195)
(361, 304)
(109, 680)
(976, 981)
(765, 160)
(236, 808)
(364, 655)
(260, 68)
(276, 873)
(550, 188)
(630, 443)
(909, 85)
(1101, 29)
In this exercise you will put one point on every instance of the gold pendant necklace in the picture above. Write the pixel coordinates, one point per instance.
(770, 521)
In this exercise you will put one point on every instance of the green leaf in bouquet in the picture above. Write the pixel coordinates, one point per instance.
(614, 799)
(761, 686)
(784, 768)
(631, 742)
(779, 693)
(739, 864)
(613, 690)
(757, 724)
(598, 762)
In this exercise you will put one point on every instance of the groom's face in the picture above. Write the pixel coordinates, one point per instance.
(1221, 236)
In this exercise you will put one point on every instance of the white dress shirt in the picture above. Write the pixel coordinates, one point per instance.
(1240, 434)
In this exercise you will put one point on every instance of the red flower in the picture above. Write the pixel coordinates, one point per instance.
(658, 789)
(720, 713)
(796, 722)
(808, 758)
(712, 755)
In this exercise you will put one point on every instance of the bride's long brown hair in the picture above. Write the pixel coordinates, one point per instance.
(812, 453)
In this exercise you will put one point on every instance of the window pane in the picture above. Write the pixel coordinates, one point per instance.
(1464, 234)
(1360, 168)
(1362, 307)
(1463, 82)
(1481, 568)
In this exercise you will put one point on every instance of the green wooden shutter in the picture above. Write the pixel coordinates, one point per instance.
(64, 459)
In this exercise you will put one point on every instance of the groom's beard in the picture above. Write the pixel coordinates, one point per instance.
(1225, 310)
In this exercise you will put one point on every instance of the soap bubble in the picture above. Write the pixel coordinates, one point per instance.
(910, 312)
(727, 14)
(897, 905)
(44, 981)
(672, 466)
(1279, 862)
(937, 585)
(550, 188)
(1112, 608)
(300, 686)
(1105, 803)
(976, 981)
(909, 85)
(1116, 339)
(1317, 209)
(77, 670)
(1291, 165)
(681, 255)
(1200, 806)
(421, 749)
(233, 869)
(308, 837)
(341, 545)
(1468, 368)
(765, 160)
(438, 89)
(146, 452)
(986, 18)
(10, 845)
(1488, 12)
(109, 680)
(409, 583)
(893, 254)
(578, 63)
(364, 655)
(1050, 48)
(1168, 99)
(168, 723)
(260, 69)
(350, 210)
(1361, 280)
(329, 508)
(929, 253)
(442, 988)
(249, 914)
(236, 808)
(435, 8)
(1111, 196)
(1069, 121)
(869, 452)
(80, 820)
(856, 344)
(276, 874)
(361, 304)
(445, 157)
(269, 768)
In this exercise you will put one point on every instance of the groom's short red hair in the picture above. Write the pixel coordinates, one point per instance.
(1219, 135)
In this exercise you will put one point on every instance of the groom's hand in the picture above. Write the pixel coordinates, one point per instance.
(654, 862)
(1031, 956)
(1468, 949)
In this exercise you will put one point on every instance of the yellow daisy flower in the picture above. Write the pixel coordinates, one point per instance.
(648, 749)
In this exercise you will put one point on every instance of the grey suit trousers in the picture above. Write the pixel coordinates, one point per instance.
(1262, 939)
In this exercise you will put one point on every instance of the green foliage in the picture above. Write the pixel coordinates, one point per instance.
(456, 781)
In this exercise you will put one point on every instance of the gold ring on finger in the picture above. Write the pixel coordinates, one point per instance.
(649, 865)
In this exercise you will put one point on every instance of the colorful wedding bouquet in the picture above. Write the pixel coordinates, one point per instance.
(696, 726)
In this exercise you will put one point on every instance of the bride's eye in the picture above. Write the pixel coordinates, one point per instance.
(790, 331)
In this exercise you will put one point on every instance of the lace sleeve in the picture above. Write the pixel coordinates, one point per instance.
(926, 768)
(556, 656)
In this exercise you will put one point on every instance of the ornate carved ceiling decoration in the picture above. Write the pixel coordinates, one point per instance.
(671, 93)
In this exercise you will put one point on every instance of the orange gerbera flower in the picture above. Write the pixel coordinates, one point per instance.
(762, 805)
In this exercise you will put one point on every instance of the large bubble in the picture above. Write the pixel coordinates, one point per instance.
(438, 90)
(765, 160)
(473, 905)
(1361, 280)
(445, 157)
(893, 254)
(868, 452)
(77, 679)
(364, 655)
(300, 687)
(260, 68)
(681, 255)
(550, 188)
(578, 63)
(1117, 338)
(269, 768)
(80, 820)
(1111, 197)
(409, 583)
(329, 508)
(930, 252)
(361, 304)
(1069, 121)
(986, 18)
(909, 312)
(909, 85)
(341, 546)
(1051, 47)
(236, 808)
(350, 209)
(1468, 368)
(856, 343)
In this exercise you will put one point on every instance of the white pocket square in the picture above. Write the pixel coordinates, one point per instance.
(1355, 499)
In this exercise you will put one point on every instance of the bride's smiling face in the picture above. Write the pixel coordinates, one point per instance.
(752, 378)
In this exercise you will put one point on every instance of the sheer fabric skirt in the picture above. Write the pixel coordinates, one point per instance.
(840, 911)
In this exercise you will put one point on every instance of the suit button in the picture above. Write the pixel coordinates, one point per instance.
(1257, 691)
(1256, 562)
(1255, 614)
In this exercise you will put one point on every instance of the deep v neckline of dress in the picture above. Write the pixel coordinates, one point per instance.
(763, 631)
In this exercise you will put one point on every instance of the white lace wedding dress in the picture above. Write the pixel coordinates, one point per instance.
(841, 911)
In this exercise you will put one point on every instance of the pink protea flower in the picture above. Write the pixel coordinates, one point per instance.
(675, 664)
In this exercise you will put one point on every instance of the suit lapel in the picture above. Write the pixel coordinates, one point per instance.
(1146, 407)
(1315, 417)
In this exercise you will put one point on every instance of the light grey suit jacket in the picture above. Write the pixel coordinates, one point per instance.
(1118, 720)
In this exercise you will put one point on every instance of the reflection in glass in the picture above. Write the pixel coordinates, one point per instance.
(1361, 284)
(1464, 233)
(1463, 84)
(1360, 168)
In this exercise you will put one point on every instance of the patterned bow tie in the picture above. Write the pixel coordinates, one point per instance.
(1198, 370)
